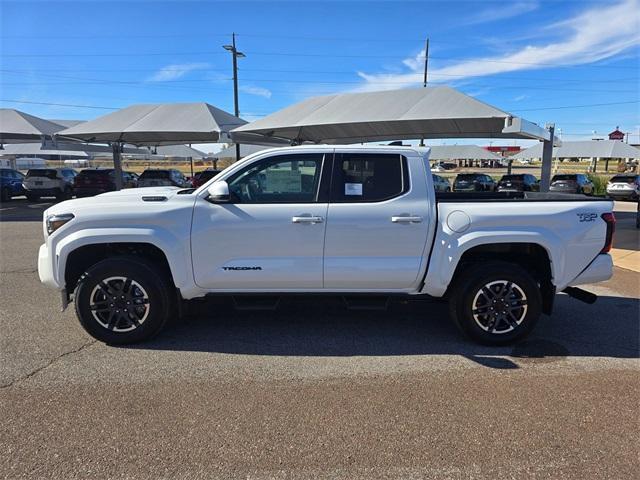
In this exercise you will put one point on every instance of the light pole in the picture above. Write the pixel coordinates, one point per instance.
(235, 55)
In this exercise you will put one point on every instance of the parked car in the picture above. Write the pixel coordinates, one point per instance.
(624, 187)
(571, 183)
(49, 182)
(323, 219)
(203, 177)
(524, 182)
(445, 165)
(474, 182)
(441, 184)
(93, 181)
(163, 178)
(10, 184)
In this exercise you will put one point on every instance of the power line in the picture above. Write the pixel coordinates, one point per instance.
(577, 106)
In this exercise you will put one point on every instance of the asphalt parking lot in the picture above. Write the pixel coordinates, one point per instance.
(313, 390)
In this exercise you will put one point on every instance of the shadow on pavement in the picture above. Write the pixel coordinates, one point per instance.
(303, 327)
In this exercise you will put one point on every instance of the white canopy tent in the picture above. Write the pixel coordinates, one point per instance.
(584, 149)
(156, 124)
(431, 112)
(461, 152)
(18, 127)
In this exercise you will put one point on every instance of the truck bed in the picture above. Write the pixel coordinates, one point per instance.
(461, 197)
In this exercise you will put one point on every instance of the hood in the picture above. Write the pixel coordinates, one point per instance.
(128, 197)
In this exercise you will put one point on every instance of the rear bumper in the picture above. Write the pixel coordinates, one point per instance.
(622, 193)
(43, 192)
(599, 270)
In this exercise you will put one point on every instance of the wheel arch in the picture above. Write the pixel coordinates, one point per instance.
(76, 253)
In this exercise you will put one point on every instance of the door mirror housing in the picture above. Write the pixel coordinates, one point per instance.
(219, 192)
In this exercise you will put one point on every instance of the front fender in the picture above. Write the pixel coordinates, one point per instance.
(175, 249)
(449, 248)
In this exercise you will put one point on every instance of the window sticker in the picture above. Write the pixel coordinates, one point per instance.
(353, 189)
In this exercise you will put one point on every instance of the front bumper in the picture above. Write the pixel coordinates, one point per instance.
(46, 268)
(600, 270)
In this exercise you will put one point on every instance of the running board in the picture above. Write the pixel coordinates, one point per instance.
(366, 302)
(580, 294)
(257, 302)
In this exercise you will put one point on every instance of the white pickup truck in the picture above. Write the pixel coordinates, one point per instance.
(346, 220)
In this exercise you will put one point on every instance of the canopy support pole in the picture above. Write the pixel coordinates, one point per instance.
(547, 154)
(117, 164)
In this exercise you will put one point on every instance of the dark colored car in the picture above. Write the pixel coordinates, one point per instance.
(203, 177)
(474, 182)
(523, 182)
(163, 178)
(93, 181)
(441, 184)
(10, 184)
(571, 183)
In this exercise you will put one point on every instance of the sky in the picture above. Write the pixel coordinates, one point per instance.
(572, 63)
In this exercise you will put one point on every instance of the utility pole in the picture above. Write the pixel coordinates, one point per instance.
(235, 55)
(426, 67)
(426, 62)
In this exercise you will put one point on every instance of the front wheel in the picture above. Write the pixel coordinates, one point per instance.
(123, 300)
(495, 303)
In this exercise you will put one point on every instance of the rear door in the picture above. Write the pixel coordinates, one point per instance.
(377, 223)
(270, 236)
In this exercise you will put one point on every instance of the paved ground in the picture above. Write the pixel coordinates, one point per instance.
(313, 391)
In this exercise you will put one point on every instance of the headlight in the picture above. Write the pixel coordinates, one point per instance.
(54, 222)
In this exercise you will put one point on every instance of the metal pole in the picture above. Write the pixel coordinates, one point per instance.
(424, 83)
(547, 154)
(426, 62)
(236, 108)
(117, 164)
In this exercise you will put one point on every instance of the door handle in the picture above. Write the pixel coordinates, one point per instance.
(406, 219)
(309, 219)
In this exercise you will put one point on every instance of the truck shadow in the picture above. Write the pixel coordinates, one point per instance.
(325, 328)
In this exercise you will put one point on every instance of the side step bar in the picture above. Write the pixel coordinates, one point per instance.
(580, 294)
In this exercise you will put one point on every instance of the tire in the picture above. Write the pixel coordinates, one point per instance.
(5, 195)
(468, 296)
(148, 288)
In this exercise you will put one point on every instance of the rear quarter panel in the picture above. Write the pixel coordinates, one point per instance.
(559, 227)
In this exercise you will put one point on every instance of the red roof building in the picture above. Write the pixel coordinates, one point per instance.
(616, 135)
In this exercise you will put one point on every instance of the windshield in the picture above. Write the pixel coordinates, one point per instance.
(624, 179)
(95, 173)
(512, 178)
(154, 174)
(42, 172)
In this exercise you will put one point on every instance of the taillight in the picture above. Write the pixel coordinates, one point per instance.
(610, 220)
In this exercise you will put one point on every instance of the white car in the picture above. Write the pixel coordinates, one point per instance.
(348, 220)
(49, 182)
(624, 187)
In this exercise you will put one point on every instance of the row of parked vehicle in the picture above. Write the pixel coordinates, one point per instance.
(64, 183)
(623, 186)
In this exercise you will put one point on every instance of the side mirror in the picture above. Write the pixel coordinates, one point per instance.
(219, 192)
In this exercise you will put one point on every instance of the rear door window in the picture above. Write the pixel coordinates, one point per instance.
(370, 177)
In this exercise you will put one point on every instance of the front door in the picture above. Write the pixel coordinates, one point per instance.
(271, 234)
(377, 224)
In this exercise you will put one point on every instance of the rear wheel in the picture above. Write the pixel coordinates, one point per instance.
(5, 194)
(123, 300)
(495, 303)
